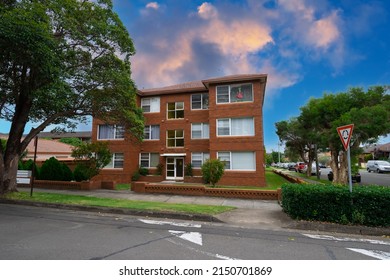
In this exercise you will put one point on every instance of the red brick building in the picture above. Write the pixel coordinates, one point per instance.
(189, 123)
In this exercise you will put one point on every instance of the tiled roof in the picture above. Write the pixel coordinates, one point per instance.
(50, 147)
(76, 134)
(196, 86)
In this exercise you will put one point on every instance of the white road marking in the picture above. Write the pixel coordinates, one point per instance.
(153, 222)
(346, 239)
(194, 237)
(372, 253)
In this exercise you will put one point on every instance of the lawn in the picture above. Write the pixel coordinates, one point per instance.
(119, 203)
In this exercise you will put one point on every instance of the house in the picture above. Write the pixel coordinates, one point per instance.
(189, 123)
(84, 136)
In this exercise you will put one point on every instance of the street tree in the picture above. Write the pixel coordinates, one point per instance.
(61, 62)
(368, 110)
(299, 140)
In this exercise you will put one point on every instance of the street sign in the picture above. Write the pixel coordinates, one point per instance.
(345, 133)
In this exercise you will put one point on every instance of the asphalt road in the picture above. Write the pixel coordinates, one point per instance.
(28, 233)
(382, 179)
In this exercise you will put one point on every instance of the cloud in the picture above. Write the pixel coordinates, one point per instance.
(222, 44)
(153, 5)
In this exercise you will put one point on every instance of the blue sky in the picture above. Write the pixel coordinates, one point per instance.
(306, 47)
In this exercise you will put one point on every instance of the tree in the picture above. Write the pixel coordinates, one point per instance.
(92, 157)
(299, 140)
(61, 61)
(212, 171)
(73, 141)
(368, 110)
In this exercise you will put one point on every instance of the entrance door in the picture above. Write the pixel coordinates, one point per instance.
(175, 168)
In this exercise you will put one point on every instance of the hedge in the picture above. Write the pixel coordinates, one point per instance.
(366, 205)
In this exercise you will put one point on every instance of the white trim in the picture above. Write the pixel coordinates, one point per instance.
(173, 155)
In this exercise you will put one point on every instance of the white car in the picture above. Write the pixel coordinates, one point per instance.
(379, 166)
(313, 169)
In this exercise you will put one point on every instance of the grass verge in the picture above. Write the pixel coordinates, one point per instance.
(119, 203)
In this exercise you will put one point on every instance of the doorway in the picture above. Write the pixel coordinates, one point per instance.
(175, 168)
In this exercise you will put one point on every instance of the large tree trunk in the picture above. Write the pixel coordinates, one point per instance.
(8, 175)
(339, 164)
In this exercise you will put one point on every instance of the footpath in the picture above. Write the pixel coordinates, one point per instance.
(264, 214)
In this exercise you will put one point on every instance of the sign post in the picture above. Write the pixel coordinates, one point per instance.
(345, 133)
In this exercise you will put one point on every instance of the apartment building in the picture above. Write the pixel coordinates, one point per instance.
(190, 123)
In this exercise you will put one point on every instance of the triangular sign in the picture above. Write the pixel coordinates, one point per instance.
(345, 133)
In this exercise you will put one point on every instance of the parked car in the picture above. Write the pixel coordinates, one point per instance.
(379, 166)
(313, 169)
(299, 166)
(291, 166)
(356, 177)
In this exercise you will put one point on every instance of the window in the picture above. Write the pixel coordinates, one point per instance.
(238, 160)
(150, 105)
(148, 160)
(200, 131)
(152, 132)
(116, 161)
(234, 93)
(175, 138)
(197, 159)
(235, 127)
(200, 101)
(107, 132)
(175, 110)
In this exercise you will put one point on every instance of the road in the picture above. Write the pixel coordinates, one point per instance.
(51, 234)
(382, 179)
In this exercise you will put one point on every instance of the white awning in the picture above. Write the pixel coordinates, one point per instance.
(173, 155)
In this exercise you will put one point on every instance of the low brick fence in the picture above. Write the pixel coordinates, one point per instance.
(65, 185)
(179, 189)
(289, 178)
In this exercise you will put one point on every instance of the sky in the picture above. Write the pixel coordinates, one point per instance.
(307, 48)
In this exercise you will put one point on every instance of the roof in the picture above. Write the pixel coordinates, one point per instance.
(203, 85)
(50, 147)
(76, 134)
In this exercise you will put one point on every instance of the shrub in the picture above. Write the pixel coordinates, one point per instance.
(135, 176)
(28, 165)
(212, 171)
(143, 171)
(54, 170)
(366, 205)
(81, 172)
(159, 170)
(188, 170)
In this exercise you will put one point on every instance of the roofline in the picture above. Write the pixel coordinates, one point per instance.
(206, 83)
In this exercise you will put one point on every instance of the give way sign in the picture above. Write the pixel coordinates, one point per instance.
(345, 133)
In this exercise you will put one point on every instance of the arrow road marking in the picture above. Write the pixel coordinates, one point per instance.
(346, 239)
(194, 237)
(372, 253)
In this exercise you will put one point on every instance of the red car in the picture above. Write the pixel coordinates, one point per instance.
(299, 167)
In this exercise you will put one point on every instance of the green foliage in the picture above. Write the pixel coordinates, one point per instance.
(81, 172)
(368, 205)
(71, 141)
(143, 171)
(54, 170)
(94, 156)
(160, 168)
(28, 165)
(188, 170)
(212, 171)
(62, 61)
(135, 176)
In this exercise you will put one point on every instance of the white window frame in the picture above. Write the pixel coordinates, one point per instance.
(116, 158)
(176, 110)
(203, 157)
(176, 138)
(118, 134)
(152, 102)
(204, 131)
(252, 133)
(231, 165)
(204, 105)
(149, 128)
(229, 93)
(142, 157)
